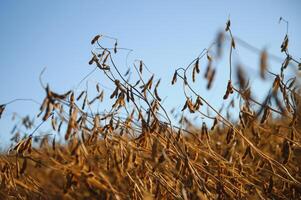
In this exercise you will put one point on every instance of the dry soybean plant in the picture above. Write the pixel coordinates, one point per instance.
(136, 150)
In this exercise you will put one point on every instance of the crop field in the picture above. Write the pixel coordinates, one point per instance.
(140, 150)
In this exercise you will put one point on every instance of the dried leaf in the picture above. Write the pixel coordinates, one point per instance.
(80, 95)
(284, 44)
(197, 65)
(228, 25)
(2, 107)
(233, 43)
(24, 166)
(95, 39)
(115, 47)
(263, 63)
(140, 66)
(174, 78)
(286, 151)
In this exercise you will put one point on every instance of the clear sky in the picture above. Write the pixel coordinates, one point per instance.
(165, 34)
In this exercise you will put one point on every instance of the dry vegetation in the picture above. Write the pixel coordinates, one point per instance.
(135, 151)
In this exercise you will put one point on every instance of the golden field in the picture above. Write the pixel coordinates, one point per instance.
(137, 151)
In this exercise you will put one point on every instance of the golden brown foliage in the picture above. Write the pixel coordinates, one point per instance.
(143, 155)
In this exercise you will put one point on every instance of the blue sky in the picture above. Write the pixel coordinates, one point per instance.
(165, 34)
